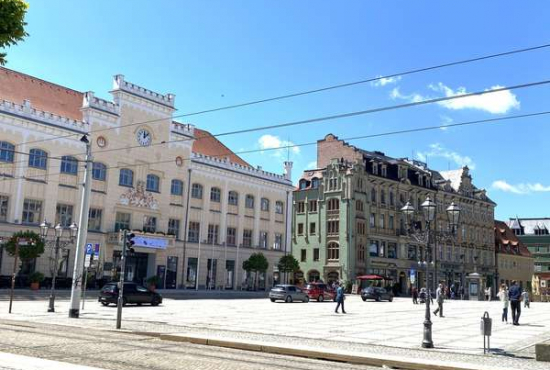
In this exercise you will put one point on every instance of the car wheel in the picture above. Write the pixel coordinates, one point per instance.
(124, 301)
(306, 299)
(272, 299)
(364, 299)
(288, 299)
(391, 299)
(321, 298)
(105, 303)
(155, 302)
(378, 299)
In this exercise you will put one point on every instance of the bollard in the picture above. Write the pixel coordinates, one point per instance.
(486, 330)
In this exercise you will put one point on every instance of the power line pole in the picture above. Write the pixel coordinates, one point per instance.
(76, 289)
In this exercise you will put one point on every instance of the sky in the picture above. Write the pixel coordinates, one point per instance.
(218, 53)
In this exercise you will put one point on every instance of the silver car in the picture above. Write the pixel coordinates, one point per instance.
(287, 293)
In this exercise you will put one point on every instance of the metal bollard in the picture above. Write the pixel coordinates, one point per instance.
(486, 330)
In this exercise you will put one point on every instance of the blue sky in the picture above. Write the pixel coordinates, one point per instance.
(216, 53)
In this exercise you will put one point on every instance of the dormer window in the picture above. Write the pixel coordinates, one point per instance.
(420, 180)
(303, 184)
(384, 171)
(375, 168)
(315, 183)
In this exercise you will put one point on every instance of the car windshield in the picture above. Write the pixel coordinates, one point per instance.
(279, 287)
(109, 288)
(141, 289)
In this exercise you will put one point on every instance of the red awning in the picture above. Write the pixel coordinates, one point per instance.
(370, 277)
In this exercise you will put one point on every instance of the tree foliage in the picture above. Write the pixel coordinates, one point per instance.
(12, 24)
(256, 263)
(288, 264)
(27, 252)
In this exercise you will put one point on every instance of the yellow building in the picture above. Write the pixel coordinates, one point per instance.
(196, 207)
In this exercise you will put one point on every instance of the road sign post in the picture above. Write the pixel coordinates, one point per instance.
(87, 263)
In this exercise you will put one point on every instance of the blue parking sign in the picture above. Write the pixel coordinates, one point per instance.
(89, 248)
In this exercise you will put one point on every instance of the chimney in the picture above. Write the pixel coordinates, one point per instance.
(288, 170)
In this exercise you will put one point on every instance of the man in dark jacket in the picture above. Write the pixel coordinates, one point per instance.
(339, 297)
(514, 293)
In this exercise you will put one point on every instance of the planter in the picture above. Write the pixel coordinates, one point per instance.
(35, 286)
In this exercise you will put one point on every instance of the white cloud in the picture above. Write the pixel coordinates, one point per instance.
(383, 81)
(495, 103)
(445, 121)
(272, 142)
(311, 165)
(522, 188)
(438, 150)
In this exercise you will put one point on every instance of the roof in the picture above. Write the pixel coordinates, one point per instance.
(454, 176)
(46, 96)
(529, 225)
(207, 144)
(506, 242)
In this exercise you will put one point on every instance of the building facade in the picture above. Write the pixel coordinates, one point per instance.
(347, 220)
(534, 233)
(198, 210)
(513, 259)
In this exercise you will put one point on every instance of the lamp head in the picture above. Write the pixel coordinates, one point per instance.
(429, 208)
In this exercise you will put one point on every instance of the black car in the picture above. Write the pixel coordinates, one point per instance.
(378, 294)
(132, 293)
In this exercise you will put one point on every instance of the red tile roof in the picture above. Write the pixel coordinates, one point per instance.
(507, 242)
(207, 144)
(46, 96)
(16, 87)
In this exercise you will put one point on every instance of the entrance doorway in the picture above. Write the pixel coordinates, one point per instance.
(171, 272)
(136, 268)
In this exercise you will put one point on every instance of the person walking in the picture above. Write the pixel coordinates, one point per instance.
(415, 295)
(525, 297)
(487, 294)
(439, 295)
(339, 298)
(514, 293)
(503, 296)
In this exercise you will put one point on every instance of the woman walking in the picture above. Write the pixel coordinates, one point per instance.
(503, 296)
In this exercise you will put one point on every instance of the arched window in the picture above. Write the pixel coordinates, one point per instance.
(382, 196)
(176, 188)
(196, 191)
(126, 177)
(6, 151)
(233, 198)
(38, 158)
(373, 196)
(265, 204)
(215, 195)
(69, 165)
(313, 276)
(99, 171)
(153, 183)
(359, 205)
(333, 251)
(333, 204)
(249, 201)
(279, 206)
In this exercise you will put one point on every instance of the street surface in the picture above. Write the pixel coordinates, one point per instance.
(120, 351)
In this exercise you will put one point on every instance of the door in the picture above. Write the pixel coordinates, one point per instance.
(171, 272)
(230, 274)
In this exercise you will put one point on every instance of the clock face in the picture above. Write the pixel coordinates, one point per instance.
(144, 137)
(101, 142)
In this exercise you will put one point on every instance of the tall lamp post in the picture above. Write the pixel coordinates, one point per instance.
(57, 245)
(428, 209)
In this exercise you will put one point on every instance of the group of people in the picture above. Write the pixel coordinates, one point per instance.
(426, 294)
(513, 297)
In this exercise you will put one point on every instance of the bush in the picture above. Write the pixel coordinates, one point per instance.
(36, 277)
(153, 280)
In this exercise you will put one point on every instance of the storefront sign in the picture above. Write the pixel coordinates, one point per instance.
(141, 241)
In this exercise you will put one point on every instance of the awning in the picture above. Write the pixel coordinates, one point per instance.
(371, 277)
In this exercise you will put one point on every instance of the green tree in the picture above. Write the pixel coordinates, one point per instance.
(33, 249)
(288, 264)
(12, 24)
(256, 263)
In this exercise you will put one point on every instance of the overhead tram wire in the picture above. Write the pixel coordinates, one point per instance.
(314, 91)
(333, 117)
(353, 138)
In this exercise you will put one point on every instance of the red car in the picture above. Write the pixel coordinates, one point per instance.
(320, 292)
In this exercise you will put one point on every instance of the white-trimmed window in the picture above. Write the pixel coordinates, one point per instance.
(233, 198)
(215, 195)
(196, 191)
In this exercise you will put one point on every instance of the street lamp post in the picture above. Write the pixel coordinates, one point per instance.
(57, 245)
(428, 209)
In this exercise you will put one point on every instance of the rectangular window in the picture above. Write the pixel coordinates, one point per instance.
(176, 187)
(313, 206)
(94, 219)
(32, 211)
(333, 227)
(247, 238)
(382, 221)
(391, 224)
(64, 214)
(249, 201)
(300, 229)
(312, 228)
(411, 253)
(174, 227)
(279, 207)
(4, 202)
(373, 248)
(392, 250)
(149, 224)
(122, 221)
(382, 249)
(264, 205)
(303, 255)
(372, 220)
(213, 231)
(215, 195)
(231, 238)
(233, 198)
(263, 239)
(315, 254)
(278, 242)
(300, 207)
(193, 234)
(196, 191)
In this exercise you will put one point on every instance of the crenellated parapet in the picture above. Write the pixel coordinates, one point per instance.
(120, 84)
(91, 101)
(26, 111)
(186, 129)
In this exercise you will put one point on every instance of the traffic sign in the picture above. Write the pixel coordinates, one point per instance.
(87, 260)
(96, 251)
(89, 249)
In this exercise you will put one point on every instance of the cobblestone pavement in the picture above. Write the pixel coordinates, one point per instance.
(120, 351)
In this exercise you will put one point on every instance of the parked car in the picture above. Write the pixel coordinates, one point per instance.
(320, 292)
(376, 293)
(132, 293)
(287, 293)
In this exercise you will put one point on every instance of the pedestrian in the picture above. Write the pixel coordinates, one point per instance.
(339, 297)
(439, 294)
(514, 293)
(461, 290)
(525, 297)
(430, 296)
(503, 296)
(488, 294)
(415, 295)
